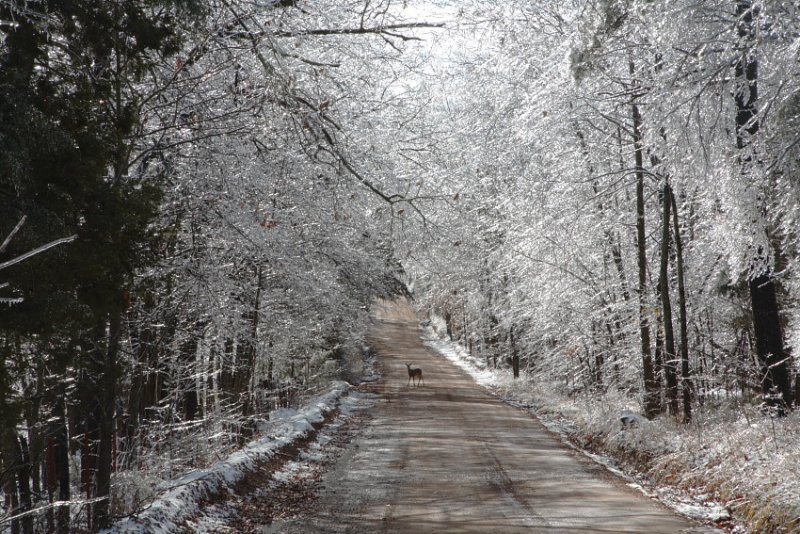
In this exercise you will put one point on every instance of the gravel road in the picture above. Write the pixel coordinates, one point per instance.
(449, 457)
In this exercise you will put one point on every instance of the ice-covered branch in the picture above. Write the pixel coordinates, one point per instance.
(37, 250)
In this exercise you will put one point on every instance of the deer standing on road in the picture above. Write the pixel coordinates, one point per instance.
(414, 372)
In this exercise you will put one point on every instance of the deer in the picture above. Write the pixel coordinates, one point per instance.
(414, 372)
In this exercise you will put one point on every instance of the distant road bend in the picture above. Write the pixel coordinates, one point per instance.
(448, 457)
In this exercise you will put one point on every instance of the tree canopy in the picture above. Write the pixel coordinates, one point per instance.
(599, 193)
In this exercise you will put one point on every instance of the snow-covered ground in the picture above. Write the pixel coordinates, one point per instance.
(738, 470)
(303, 471)
(179, 504)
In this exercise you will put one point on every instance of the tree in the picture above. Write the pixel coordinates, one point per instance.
(74, 169)
(776, 384)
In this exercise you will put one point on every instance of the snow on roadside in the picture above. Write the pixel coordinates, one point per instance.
(278, 490)
(182, 500)
(474, 367)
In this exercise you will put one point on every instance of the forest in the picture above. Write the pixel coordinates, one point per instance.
(201, 199)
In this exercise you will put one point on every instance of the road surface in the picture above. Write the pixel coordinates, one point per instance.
(449, 457)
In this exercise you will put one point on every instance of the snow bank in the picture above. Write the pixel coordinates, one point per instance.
(182, 500)
(474, 367)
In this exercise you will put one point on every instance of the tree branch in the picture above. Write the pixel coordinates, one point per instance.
(12, 234)
(388, 29)
(38, 250)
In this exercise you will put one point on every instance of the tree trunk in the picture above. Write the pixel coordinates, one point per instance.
(599, 365)
(686, 383)
(36, 439)
(514, 353)
(141, 394)
(9, 416)
(93, 356)
(769, 341)
(245, 357)
(9, 489)
(448, 322)
(8, 476)
(616, 254)
(22, 460)
(797, 389)
(227, 371)
(105, 424)
(658, 353)
(492, 340)
(651, 403)
(187, 356)
(61, 460)
(270, 366)
(766, 317)
(670, 364)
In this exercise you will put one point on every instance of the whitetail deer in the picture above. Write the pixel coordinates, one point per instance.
(413, 373)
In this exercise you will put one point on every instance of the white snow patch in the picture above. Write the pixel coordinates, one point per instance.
(292, 471)
(702, 512)
(181, 501)
(474, 367)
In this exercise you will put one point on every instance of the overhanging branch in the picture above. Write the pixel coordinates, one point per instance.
(388, 29)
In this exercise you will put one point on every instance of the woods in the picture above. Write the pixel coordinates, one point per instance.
(600, 196)
(647, 170)
(226, 249)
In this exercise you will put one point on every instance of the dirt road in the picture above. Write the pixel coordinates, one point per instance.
(448, 457)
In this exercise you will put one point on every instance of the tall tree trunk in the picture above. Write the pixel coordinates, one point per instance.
(105, 423)
(61, 460)
(658, 353)
(270, 366)
(9, 417)
(616, 254)
(187, 356)
(245, 358)
(670, 367)
(686, 384)
(448, 322)
(769, 341)
(140, 394)
(7, 479)
(651, 404)
(24, 472)
(775, 380)
(36, 439)
(599, 359)
(89, 388)
(492, 338)
(514, 353)
(227, 371)
(9, 476)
